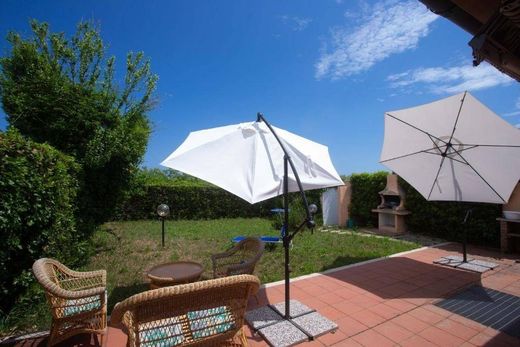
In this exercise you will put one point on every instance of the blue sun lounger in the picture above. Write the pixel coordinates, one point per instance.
(266, 239)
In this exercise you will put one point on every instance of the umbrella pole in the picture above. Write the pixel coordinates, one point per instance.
(465, 236)
(286, 239)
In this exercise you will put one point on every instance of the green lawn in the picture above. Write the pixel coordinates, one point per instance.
(127, 249)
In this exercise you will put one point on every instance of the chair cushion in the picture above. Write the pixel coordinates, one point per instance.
(203, 323)
(76, 306)
(164, 335)
(209, 322)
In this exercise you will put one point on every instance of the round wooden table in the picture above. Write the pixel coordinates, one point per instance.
(170, 274)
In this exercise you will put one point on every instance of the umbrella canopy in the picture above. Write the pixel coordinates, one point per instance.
(454, 149)
(246, 160)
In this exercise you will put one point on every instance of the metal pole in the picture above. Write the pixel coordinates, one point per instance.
(286, 239)
(465, 235)
(162, 219)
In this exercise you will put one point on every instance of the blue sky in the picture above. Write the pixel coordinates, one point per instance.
(326, 70)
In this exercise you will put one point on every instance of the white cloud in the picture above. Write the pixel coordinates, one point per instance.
(387, 28)
(296, 23)
(451, 80)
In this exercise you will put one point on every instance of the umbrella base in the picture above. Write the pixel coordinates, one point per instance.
(471, 265)
(305, 324)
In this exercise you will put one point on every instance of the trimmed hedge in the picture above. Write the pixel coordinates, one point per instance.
(440, 219)
(444, 219)
(195, 201)
(365, 197)
(38, 188)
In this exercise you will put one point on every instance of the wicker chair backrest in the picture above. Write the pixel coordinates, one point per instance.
(201, 313)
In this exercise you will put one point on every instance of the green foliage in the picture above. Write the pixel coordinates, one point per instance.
(365, 197)
(63, 92)
(444, 219)
(192, 198)
(38, 188)
(441, 219)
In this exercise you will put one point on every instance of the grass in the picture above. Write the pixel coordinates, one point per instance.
(127, 249)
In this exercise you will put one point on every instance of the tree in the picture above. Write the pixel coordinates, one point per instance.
(64, 92)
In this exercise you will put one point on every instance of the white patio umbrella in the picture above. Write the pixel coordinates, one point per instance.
(454, 149)
(246, 159)
(252, 160)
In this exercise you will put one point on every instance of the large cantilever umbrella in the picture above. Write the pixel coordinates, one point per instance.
(252, 160)
(454, 149)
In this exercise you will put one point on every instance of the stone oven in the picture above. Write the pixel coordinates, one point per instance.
(391, 211)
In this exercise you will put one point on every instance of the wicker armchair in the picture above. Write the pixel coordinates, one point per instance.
(77, 299)
(241, 259)
(206, 313)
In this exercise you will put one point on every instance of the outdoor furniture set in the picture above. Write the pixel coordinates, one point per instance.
(174, 312)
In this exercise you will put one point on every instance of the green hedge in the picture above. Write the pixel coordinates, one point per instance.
(440, 219)
(365, 197)
(195, 201)
(444, 219)
(37, 189)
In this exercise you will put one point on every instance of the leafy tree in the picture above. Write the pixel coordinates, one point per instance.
(65, 92)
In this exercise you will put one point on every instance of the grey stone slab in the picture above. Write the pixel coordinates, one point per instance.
(457, 258)
(296, 308)
(262, 317)
(282, 334)
(448, 262)
(315, 324)
(484, 263)
(473, 267)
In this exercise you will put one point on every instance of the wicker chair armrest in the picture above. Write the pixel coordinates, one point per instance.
(100, 274)
(78, 294)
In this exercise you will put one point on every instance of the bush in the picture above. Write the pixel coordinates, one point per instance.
(191, 198)
(38, 188)
(444, 219)
(438, 218)
(65, 91)
(365, 196)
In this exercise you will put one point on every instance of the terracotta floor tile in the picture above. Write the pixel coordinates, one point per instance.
(440, 311)
(348, 307)
(332, 338)
(411, 323)
(480, 339)
(400, 304)
(373, 338)
(349, 326)
(440, 337)
(332, 313)
(417, 341)
(314, 290)
(331, 298)
(426, 315)
(393, 331)
(457, 329)
(348, 343)
(368, 318)
(468, 322)
(385, 311)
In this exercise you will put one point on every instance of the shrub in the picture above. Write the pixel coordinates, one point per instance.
(191, 198)
(444, 219)
(38, 188)
(365, 197)
(65, 92)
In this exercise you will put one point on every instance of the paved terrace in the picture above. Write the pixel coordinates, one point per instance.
(387, 302)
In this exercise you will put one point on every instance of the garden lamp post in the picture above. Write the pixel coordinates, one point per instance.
(163, 211)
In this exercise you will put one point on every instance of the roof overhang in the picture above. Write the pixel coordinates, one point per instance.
(495, 26)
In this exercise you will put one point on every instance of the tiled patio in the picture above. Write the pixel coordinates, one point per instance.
(388, 302)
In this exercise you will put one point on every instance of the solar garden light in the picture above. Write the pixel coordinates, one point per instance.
(163, 211)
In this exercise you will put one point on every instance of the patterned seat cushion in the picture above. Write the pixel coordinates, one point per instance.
(76, 306)
(203, 323)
